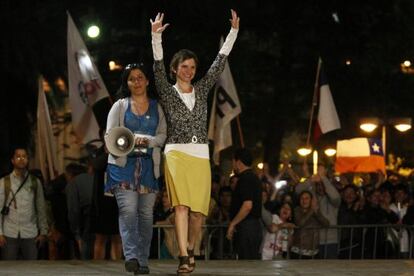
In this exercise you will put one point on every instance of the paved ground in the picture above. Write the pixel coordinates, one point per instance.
(288, 268)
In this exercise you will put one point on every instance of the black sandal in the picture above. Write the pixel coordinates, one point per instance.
(184, 266)
(191, 255)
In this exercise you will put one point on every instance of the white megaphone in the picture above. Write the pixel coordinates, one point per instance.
(120, 141)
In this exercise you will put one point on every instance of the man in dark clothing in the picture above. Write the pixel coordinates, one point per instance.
(377, 246)
(79, 199)
(246, 208)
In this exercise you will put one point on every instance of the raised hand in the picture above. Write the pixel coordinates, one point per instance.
(235, 21)
(156, 25)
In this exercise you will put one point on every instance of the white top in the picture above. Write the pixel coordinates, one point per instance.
(275, 243)
(404, 239)
(196, 150)
(187, 98)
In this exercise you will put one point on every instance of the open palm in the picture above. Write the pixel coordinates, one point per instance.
(156, 25)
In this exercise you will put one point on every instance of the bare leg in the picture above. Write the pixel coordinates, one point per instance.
(196, 221)
(181, 228)
(99, 247)
(181, 231)
(116, 247)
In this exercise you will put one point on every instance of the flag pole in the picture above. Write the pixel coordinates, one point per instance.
(240, 131)
(314, 101)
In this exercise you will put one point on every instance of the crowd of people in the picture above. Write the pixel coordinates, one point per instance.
(72, 218)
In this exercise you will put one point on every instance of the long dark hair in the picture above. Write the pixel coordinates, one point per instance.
(123, 91)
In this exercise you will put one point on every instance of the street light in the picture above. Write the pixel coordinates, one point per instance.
(93, 31)
(304, 151)
(330, 152)
(370, 124)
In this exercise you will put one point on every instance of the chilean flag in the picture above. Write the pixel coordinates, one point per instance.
(360, 155)
(327, 116)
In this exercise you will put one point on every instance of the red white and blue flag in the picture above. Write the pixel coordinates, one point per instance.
(360, 155)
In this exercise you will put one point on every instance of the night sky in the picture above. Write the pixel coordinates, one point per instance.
(273, 61)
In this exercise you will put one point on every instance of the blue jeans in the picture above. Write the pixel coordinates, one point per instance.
(135, 223)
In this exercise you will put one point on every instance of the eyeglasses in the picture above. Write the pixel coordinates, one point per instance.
(134, 66)
(21, 158)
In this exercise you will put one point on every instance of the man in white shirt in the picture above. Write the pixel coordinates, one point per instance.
(23, 223)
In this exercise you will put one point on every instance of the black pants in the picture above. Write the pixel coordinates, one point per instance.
(248, 238)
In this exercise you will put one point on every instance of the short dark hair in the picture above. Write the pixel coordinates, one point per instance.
(401, 187)
(15, 148)
(178, 58)
(74, 169)
(244, 156)
(305, 192)
(350, 186)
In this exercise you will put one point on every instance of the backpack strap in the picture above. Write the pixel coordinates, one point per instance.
(7, 185)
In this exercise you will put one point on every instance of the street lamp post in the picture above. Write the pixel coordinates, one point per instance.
(370, 124)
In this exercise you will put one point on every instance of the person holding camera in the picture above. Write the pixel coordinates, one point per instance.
(133, 179)
(23, 223)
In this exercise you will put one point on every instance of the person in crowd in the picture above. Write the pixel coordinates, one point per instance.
(233, 182)
(329, 201)
(221, 247)
(278, 236)
(79, 199)
(399, 207)
(215, 187)
(246, 208)
(104, 210)
(162, 212)
(61, 240)
(133, 179)
(350, 212)
(187, 166)
(377, 211)
(305, 244)
(169, 245)
(23, 222)
(282, 184)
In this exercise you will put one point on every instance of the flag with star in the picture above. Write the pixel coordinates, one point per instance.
(360, 155)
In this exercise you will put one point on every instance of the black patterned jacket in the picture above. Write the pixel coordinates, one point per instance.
(185, 126)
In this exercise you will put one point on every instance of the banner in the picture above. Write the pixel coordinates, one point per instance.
(85, 86)
(46, 154)
(226, 106)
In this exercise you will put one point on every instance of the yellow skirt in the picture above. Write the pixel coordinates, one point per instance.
(188, 181)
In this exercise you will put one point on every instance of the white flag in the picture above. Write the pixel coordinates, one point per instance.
(85, 86)
(46, 155)
(328, 119)
(226, 106)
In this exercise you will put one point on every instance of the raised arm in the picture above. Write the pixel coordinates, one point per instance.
(157, 28)
(218, 65)
(231, 37)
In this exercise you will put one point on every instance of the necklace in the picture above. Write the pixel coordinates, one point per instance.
(140, 108)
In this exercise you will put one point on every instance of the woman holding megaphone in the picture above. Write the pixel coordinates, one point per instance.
(133, 174)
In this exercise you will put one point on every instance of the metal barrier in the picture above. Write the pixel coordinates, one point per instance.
(353, 241)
